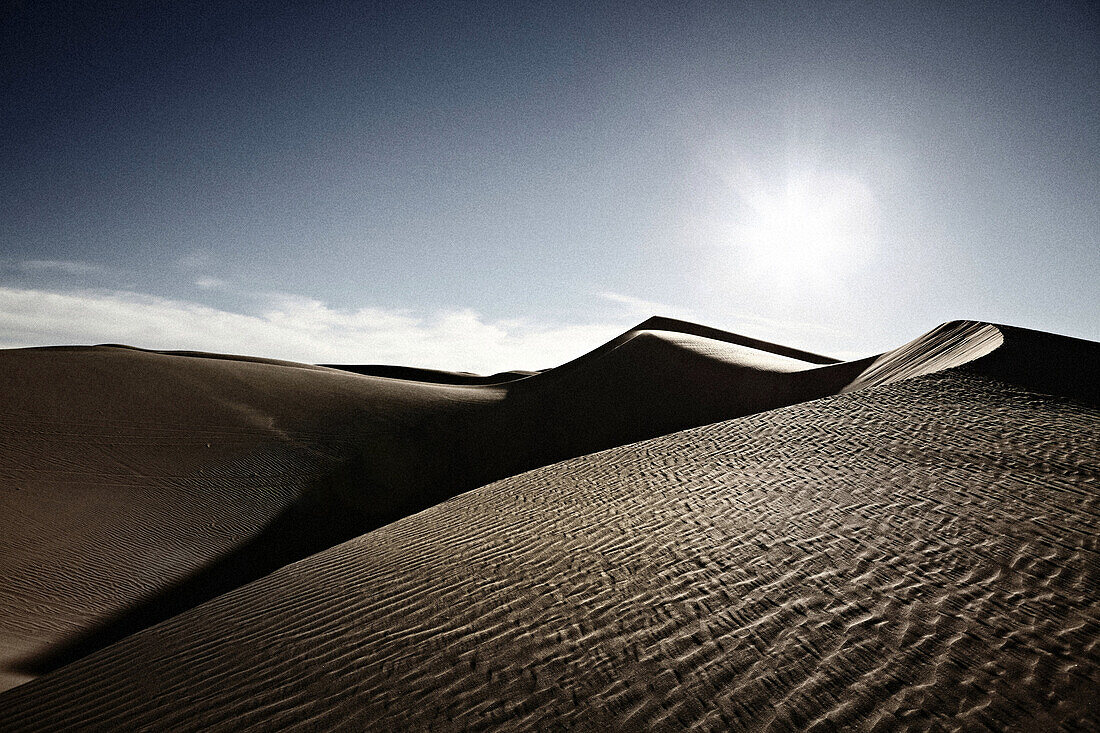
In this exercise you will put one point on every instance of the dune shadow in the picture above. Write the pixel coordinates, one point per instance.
(602, 400)
(634, 394)
(311, 524)
(1046, 362)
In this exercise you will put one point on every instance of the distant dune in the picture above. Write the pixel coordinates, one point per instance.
(797, 543)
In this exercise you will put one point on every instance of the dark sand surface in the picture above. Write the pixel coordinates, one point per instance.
(137, 484)
(920, 551)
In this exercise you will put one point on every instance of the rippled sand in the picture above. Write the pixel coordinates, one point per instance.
(919, 552)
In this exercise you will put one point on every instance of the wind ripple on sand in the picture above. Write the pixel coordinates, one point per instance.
(137, 484)
(920, 555)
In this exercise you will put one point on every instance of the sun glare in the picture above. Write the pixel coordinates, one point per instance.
(813, 228)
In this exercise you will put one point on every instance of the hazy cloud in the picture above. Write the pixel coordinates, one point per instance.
(288, 326)
(67, 267)
(641, 308)
(195, 260)
(295, 328)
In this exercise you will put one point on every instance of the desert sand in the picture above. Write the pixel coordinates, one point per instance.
(198, 541)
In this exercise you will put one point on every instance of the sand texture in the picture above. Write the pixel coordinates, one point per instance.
(137, 484)
(905, 541)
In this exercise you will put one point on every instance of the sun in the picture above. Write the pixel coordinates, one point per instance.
(812, 228)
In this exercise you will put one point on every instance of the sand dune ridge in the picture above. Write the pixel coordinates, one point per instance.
(204, 472)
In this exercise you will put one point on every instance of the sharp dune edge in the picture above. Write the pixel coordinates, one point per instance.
(907, 540)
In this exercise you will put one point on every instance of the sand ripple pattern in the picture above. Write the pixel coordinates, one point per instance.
(918, 556)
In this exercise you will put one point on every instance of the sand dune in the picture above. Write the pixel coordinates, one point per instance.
(854, 559)
(139, 484)
(909, 539)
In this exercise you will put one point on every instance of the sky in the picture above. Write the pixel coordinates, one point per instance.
(487, 186)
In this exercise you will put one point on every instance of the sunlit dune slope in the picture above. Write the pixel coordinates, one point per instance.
(136, 484)
(922, 552)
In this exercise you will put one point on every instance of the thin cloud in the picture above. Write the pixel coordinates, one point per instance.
(294, 328)
(641, 308)
(67, 267)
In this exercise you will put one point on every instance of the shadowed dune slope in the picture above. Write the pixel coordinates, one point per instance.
(136, 484)
(417, 374)
(920, 553)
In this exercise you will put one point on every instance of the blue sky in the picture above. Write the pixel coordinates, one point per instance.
(498, 185)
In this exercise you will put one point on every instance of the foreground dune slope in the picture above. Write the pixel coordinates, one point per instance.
(137, 484)
(923, 553)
